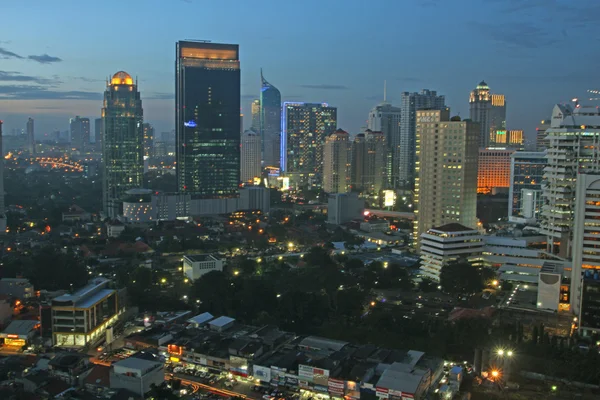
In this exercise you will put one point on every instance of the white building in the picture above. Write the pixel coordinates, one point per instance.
(549, 283)
(137, 374)
(250, 156)
(447, 244)
(344, 207)
(137, 206)
(573, 142)
(194, 266)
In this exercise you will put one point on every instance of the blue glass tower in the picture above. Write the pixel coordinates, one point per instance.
(270, 123)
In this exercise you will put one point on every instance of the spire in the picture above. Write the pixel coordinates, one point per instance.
(384, 90)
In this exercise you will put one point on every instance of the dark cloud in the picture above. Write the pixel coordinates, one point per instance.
(325, 87)
(25, 92)
(88, 80)
(522, 35)
(13, 76)
(8, 54)
(45, 59)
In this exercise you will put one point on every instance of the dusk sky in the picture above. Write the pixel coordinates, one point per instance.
(56, 55)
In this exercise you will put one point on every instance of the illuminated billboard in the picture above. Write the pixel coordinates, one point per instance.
(389, 198)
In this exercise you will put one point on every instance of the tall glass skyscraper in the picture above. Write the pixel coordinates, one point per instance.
(80, 133)
(207, 113)
(270, 122)
(122, 146)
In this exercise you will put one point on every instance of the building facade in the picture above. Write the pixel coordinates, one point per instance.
(270, 122)
(493, 172)
(30, 136)
(573, 140)
(446, 171)
(525, 191)
(344, 207)
(80, 133)
(386, 118)
(98, 133)
(207, 113)
(194, 266)
(305, 127)
(541, 143)
(411, 104)
(368, 162)
(123, 149)
(2, 207)
(250, 156)
(148, 140)
(335, 162)
(490, 111)
(255, 109)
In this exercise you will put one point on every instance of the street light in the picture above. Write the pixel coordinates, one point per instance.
(500, 352)
(509, 353)
(495, 373)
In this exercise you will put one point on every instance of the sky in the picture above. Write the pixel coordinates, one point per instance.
(55, 56)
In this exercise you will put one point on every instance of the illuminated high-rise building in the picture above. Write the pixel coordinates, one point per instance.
(80, 133)
(98, 133)
(540, 135)
(270, 122)
(123, 148)
(516, 139)
(250, 157)
(446, 171)
(256, 116)
(305, 127)
(207, 112)
(493, 172)
(335, 162)
(368, 162)
(148, 140)
(30, 137)
(490, 111)
(411, 103)
(385, 118)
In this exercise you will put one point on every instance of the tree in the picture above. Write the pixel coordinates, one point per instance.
(318, 256)
(460, 278)
(488, 275)
(213, 289)
(354, 264)
(427, 285)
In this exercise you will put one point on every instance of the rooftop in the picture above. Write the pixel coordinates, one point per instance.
(136, 363)
(452, 227)
(201, 318)
(200, 257)
(82, 294)
(221, 321)
(319, 343)
(20, 327)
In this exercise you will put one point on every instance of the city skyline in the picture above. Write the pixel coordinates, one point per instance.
(57, 81)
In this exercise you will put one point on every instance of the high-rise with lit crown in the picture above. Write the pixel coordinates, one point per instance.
(270, 122)
(250, 156)
(335, 162)
(490, 111)
(207, 119)
(123, 148)
(30, 137)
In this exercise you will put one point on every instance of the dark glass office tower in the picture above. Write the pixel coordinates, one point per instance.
(270, 122)
(122, 146)
(207, 96)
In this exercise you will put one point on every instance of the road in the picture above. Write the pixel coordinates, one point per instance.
(196, 386)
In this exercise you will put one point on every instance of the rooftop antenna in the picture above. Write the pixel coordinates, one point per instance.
(384, 90)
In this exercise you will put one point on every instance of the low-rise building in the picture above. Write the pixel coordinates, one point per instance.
(114, 229)
(551, 295)
(16, 287)
(137, 374)
(344, 207)
(380, 225)
(20, 332)
(194, 266)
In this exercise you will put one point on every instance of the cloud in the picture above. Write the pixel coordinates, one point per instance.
(8, 54)
(26, 92)
(13, 76)
(325, 87)
(159, 96)
(522, 35)
(45, 59)
(85, 79)
(249, 97)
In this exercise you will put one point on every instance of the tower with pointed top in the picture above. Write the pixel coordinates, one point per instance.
(270, 123)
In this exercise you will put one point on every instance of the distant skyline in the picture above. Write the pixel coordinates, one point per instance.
(54, 61)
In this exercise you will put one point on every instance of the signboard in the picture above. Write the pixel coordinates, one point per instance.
(305, 372)
(289, 381)
(389, 197)
(426, 118)
(262, 373)
(303, 384)
(336, 386)
(190, 124)
(407, 396)
(382, 393)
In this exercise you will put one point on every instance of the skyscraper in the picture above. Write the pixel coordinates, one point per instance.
(368, 166)
(489, 110)
(207, 113)
(80, 133)
(2, 207)
(411, 103)
(525, 192)
(386, 118)
(98, 133)
(30, 137)
(493, 171)
(270, 122)
(540, 135)
(446, 171)
(250, 156)
(123, 141)
(256, 116)
(148, 140)
(573, 139)
(305, 127)
(335, 162)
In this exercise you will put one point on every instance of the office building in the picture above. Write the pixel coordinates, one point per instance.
(82, 317)
(525, 191)
(572, 148)
(490, 111)
(138, 373)
(148, 140)
(270, 122)
(250, 157)
(446, 171)
(516, 139)
(386, 118)
(2, 207)
(344, 207)
(98, 133)
(207, 113)
(449, 244)
(255, 107)
(194, 266)
(410, 104)
(493, 172)
(541, 143)
(335, 162)
(368, 162)
(30, 137)
(550, 297)
(80, 133)
(305, 127)
(123, 148)
(585, 281)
